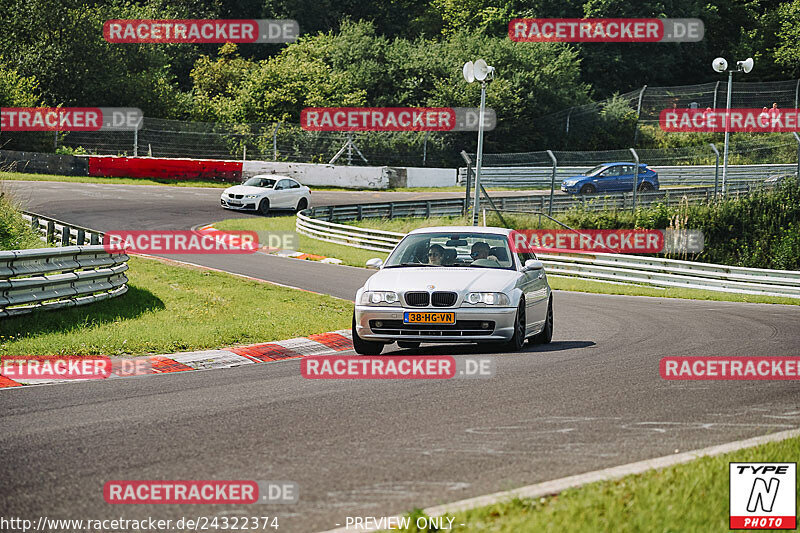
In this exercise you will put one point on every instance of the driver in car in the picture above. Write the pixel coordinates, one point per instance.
(481, 250)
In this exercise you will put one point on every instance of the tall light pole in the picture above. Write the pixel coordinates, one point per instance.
(720, 65)
(483, 73)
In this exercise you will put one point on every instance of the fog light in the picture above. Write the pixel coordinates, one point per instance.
(378, 324)
(485, 325)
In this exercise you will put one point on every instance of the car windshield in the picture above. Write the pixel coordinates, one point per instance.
(266, 183)
(596, 170)
(469, 250)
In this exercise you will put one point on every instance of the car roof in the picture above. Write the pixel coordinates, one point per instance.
(489, 230)
(273, 177)
(618, 163)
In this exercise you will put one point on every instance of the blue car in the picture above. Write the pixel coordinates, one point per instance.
(611, 177)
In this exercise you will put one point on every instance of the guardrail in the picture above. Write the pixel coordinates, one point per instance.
(62, 233)
(613, 268)
(52, 278)
(667, 175)
(452, 207)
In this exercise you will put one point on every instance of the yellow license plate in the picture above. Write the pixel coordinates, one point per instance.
(429, 318)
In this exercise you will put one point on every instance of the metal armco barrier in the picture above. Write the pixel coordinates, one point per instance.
(667, 175)
(614, 268)
(61, 233)
(52, 278)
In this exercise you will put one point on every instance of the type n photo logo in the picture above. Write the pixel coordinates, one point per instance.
(763, 495)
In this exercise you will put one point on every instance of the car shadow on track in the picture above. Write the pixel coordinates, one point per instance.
(469, 349)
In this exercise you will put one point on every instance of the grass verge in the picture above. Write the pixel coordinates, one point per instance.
(687, 497)
(171, 308)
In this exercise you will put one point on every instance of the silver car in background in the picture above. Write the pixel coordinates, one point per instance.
(453, 284)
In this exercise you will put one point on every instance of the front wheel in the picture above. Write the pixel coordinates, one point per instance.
(546, 335)
(518, 339)
(588, 189)
(263, 207)
(363, 347)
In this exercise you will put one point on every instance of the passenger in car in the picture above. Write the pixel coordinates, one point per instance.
(436, 255)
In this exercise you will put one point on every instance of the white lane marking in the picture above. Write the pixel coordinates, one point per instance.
(555, 486)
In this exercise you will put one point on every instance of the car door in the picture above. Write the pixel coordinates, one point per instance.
(625, 179)
(296, 192)
(607, 179)
(282, 195)
(533, 284)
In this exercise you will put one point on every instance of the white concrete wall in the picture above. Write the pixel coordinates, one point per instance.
(322, 175)
(430, 177)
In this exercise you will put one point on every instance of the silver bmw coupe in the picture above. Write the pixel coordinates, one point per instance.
(453, 284)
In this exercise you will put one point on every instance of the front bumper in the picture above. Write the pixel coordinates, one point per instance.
(571, 189)
(469, 327)
(239, 205)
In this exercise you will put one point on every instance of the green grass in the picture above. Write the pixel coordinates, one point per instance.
(15, 231)
(171, 308)
(687, 497)
(21, 176)
(349, 255)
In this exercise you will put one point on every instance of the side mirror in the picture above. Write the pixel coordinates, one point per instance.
(375, 263)
(532, 264)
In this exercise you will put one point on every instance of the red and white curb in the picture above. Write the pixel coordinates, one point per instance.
(318, 344)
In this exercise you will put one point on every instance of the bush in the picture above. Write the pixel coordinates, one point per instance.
(15, 231)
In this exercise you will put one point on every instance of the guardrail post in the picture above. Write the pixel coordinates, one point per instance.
(51, 229)
(359, 211)
(95, 238)
(81, 237)
(35, 224)
(330, 214)
(638, 112)
(716, 169)
(65, 235)
(552, 181)
(797, 138)
(391, 210)
(427, 209)
(635, 178)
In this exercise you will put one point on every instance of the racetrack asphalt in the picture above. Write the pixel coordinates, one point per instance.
(591, 399)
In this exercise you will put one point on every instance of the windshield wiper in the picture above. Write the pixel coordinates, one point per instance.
(411, 265)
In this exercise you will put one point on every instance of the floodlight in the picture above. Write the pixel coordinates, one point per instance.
(481, 70)
(469, 72)
(746, 65)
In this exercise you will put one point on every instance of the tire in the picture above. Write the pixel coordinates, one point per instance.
(263, 207)
(411, 345)
(302, 204)
(518, 339)
(546, 335)
(645, 186)
(363, 347)
(588, 189)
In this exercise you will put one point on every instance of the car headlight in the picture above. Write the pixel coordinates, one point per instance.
(379, 297)
(251, 196)
(487, 298)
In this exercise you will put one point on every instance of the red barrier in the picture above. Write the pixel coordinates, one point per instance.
(170, 169)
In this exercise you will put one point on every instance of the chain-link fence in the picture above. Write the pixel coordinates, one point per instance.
(623, 116)
(259, 141)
